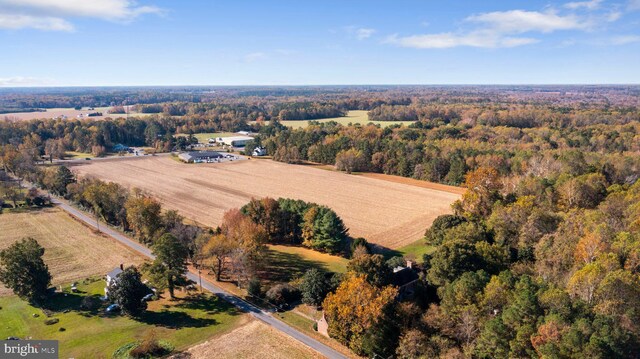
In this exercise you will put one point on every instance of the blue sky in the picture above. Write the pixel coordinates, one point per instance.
(283, 42)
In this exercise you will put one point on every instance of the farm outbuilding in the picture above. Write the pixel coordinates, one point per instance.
(235, 141)
(200, 156)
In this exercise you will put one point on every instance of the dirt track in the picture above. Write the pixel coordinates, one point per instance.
(385, 212)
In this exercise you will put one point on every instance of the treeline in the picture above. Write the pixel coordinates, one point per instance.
(431, 115)
(446, 153)
(18, 100)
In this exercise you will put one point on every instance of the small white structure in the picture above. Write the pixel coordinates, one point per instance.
(259, 151)
(244, 133)
(235, 141)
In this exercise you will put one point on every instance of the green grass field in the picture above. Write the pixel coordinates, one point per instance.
(94, 334)
(353, 117)
(285, 263)
(416, 250)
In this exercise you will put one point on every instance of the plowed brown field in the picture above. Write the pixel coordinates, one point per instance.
(388, 213)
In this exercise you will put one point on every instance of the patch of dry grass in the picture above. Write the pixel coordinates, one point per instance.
(253, 340)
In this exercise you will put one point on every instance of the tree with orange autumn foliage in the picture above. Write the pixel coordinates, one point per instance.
(355, 308)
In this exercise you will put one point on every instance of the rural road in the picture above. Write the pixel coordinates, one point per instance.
(233, 299)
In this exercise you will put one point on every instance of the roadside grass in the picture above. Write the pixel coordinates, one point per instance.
(306, 326)
(286, 263)
(190, 319)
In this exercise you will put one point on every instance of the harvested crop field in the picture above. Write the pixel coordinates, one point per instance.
(253, 340)
(72, 251)
(385, 212)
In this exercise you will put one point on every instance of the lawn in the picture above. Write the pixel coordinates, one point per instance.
(285, 263)
(415, 250)
(353, 117)
(93, 334)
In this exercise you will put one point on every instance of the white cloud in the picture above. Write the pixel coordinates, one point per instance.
(588, 5)
(55, 14)
(35, 22)
(520, 21)
(633, 5)
(363, 33)
(624, 39)
(497, 30)
(20, 81)
(484, 39)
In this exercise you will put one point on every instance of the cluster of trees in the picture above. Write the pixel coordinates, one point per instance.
(527, 266)
(236, 249)
(298, 222)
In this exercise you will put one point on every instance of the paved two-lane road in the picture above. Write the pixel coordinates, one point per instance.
(238, 302)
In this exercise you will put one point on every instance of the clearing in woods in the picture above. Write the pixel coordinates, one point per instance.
(354, 117)
(388, 213)
(72, 251)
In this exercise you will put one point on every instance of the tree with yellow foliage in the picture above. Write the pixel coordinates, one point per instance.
(355, 308)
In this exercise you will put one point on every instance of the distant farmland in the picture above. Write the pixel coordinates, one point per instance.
(385, 212)
(72, 114)
(353, 117)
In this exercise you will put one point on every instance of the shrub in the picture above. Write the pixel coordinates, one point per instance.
(150, 346)
(254, 288)
(282, 293)
(90, 303)
(51, 321)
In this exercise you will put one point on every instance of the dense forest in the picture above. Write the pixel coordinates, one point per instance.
(541, 257)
